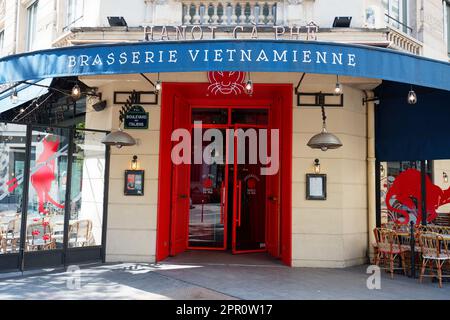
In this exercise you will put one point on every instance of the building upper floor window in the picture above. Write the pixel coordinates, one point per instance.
(74, 11)
(31, 25)
(396, 14)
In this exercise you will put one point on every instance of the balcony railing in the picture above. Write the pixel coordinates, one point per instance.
(229, 13)
(403, 42)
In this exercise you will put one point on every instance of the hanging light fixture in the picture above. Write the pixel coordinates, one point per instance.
(14, 97)
(338, 88)
(249, 85)
(412, 97)
(158, 85)
(76, 92)
(382, 170)
(324, 140)
(445, 177)
(119, 139)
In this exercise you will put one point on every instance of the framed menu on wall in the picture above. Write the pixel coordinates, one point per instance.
(134, 183)
(316, 187)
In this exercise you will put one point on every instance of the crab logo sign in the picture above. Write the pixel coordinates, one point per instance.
(226, 82)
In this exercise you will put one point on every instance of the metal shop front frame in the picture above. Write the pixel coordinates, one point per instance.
(65, 254)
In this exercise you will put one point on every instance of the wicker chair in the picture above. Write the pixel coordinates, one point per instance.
(434, 248)
(39, 237)
(389, 246)
(80, 233)
(11, 235)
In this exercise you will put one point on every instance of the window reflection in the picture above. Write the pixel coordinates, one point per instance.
(12, 161)
(87, 188)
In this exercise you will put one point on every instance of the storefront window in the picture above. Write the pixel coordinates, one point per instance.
(441, 180)
(12, 160)
(87, 190)
(401, 191)
(46, 195)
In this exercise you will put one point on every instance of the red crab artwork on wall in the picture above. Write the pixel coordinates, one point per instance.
(226, 82)
(407, 194)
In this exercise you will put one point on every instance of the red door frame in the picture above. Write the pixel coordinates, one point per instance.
(279, 97)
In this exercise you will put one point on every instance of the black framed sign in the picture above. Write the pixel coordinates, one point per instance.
(136, 118)
(316, 187)
(134, 183)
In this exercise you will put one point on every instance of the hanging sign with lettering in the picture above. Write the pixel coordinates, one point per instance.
(136, 118)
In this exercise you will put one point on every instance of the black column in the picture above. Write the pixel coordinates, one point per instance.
(378, 193)
(68, 195)
(26, 184)
(423, 171)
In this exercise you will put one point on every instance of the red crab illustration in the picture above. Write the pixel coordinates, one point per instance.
(226, 82)
(44, 176)
(406, 187)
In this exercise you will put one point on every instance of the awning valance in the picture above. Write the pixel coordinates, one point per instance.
(25, 92)
(227, 55)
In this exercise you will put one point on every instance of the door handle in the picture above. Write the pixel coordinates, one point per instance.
(239, 202)
(273, 198)
(222, 203)
(183, 196)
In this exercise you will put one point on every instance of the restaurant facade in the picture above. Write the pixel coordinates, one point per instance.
(198, 136)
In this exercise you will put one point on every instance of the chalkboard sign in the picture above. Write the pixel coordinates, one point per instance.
(136, 118)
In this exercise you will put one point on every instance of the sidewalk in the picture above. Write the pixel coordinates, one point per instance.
(178, 279)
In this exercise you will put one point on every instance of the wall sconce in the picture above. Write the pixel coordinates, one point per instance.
(381, 170)
(134, 163)
(445, 177)
(316, 166)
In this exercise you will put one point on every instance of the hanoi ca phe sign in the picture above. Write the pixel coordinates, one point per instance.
(136, 118)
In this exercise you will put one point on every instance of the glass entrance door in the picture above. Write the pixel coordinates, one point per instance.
(250, 192)
(228, 194)
(208, 193)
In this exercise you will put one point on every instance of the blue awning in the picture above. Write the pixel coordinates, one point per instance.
(227, 55)
(25, 93)
(407, 132)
